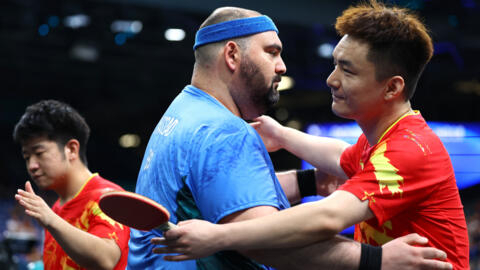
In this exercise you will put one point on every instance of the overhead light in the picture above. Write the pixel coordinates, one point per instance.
(76, 21)
(174, 34)
(286, 83)
(43, 30)
(129, 140)
(325, 50)
(84, 52)
(124, 26)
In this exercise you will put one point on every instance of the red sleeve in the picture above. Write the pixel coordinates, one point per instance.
(103, 226)
(350, 158)
(392, 179)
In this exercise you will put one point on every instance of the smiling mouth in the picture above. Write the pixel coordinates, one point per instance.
(35, 177)
(337, 97)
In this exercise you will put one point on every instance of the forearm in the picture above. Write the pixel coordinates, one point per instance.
(297, 226)
(325, 184)
(302, 225)
(337, 253)
(322, 152)
(288, 181)
(87, 250)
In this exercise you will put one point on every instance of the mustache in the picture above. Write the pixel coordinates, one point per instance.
(277, 78)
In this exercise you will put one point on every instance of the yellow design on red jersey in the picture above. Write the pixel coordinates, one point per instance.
(369, 197)
(385, 172)
(371, 233)
(65, 263)
(92, 208)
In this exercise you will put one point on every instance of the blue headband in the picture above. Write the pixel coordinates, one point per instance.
(232, 29)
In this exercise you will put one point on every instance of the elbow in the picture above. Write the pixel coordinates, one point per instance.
(109, 265)
(104, 264)
(332, 224)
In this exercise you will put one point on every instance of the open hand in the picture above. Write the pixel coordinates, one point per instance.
(269, 130)
(401, 254)
(192, 239)
(34, 205)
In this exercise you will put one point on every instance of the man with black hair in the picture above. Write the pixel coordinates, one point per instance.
(78, 235)
(399, 178)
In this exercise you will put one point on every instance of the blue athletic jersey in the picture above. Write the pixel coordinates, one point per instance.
(203, 162)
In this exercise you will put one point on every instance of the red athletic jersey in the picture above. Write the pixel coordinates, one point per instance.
(84, 213)
(408, 179)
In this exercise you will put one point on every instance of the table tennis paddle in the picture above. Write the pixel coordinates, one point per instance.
(135, 211)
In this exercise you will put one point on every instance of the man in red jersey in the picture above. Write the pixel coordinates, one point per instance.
(399, 177)
(78, 235)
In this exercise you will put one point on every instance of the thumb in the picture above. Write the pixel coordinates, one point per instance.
(254, 124)
(28, 187)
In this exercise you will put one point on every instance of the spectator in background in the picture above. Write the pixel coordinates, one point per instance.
(78, 235)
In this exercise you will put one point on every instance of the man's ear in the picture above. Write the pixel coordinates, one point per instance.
(395, 87)
(72, 148)
(231, 54)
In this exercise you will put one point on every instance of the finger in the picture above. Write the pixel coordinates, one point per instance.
(18, 197)
(414, 238)
(254, 124)
(433, 253)
(257, 119)
(172, 234)
(32, 213)
(436, 265)
(28, 187)
(26, 197)
(158, 241)
(177, 258)
(26, 194)
(167, 250)
(185, 222)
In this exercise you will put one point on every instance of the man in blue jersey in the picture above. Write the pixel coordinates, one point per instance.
(204, 161)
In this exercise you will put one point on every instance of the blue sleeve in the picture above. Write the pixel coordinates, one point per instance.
(231, 171)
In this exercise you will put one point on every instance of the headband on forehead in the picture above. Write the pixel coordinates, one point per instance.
(232, 29)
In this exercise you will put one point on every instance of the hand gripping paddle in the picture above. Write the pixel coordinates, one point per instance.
(135, 211)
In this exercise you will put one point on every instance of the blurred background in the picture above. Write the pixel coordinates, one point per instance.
(121, 62)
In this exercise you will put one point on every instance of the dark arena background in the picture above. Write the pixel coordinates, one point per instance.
(121, 62)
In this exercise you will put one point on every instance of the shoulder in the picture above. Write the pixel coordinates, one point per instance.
(223, 127)
(99, 185)
(406, 145)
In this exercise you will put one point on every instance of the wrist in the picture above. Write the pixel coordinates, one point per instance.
(370, 258)
(281, 136)
(225, 237)
(306, 182)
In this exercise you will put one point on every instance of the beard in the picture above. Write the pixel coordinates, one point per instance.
(259, 92)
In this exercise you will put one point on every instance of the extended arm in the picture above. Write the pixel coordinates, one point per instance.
(338, 253)
(76, 243)
(322, 152)
(341, 253)
(294, 227)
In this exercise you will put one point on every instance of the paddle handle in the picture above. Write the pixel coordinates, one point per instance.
(166, 226)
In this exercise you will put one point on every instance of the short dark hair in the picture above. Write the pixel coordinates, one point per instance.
(399, 42)
(55, 120)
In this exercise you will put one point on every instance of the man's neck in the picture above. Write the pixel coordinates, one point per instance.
(375, 128)
(215, 88)
(74, 181)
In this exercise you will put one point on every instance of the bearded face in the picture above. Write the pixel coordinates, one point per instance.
(259, 88)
